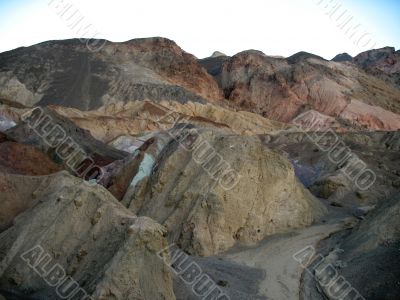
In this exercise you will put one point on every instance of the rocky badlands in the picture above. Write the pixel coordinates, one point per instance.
(141, 172)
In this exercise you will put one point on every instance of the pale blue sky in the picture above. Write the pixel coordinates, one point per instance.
(280, 27)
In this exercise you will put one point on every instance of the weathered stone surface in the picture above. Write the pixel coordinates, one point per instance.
(330, 164)
(108, 251)
(358, 255)
(207, 212)
(17, 195)
(68, 73)
(384, 63)
(68, 145)
(133, 118)
(281, 89)
(225, 153)
(23, 159)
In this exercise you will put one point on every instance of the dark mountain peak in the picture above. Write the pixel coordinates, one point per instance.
(375, 54)
(214, 63)
(342, 57)
(383, 62)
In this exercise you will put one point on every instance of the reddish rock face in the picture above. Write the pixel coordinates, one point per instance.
(277, 89)
(167, 59)
(66, 73)
(282, 89)
(16, 158)
(33, 132)
(384, 62)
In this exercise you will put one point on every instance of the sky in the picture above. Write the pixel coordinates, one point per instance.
(282, 27)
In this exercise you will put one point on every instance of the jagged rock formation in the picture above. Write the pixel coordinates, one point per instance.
(384, 63)
(358, 255)
(67, 146)
(109, 252)
(205, 211)
(67, 73)
(130, 178)
(117, 176)
(322, 160)
(62, 140)
(360, 94)
(281, 89)
(225, 153)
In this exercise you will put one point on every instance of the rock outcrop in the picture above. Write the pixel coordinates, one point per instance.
(16, 195)
(69, 145)
(238, 161)
(384, 63)
(135, 117)
(83, 234)
(329, 164)
(67, 73)
(282, 89)
(360, 92)
(16, 158)
(9, 114)
(357, 256)
(228, 189)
